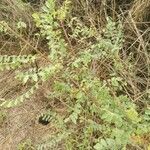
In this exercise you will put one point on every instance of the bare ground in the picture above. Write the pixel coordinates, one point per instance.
(21, 123)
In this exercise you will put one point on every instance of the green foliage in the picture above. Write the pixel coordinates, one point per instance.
(47, 21)
(12, 62)
(52, 142)
(20, 99)
(2, 117)
(25, 76)
(48, 115)
(96, 117)
(27, 145)
(3, 27)
(21, 25)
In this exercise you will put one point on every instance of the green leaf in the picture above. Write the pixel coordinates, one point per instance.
(25, 79)
(21, 24)
(35, 77)
(98, 146)
(27, 95)
(102, 145)
(132, 114)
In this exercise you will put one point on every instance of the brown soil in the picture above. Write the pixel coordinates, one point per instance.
(21, 123)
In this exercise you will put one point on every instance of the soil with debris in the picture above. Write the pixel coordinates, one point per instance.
(21, 123)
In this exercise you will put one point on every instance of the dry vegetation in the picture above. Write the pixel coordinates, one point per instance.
(19, 126)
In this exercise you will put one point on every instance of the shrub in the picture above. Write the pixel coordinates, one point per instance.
(96, 117)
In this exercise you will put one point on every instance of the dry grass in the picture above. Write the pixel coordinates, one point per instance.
(22, 122)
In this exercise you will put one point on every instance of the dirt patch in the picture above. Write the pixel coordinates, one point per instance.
(21, 122)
